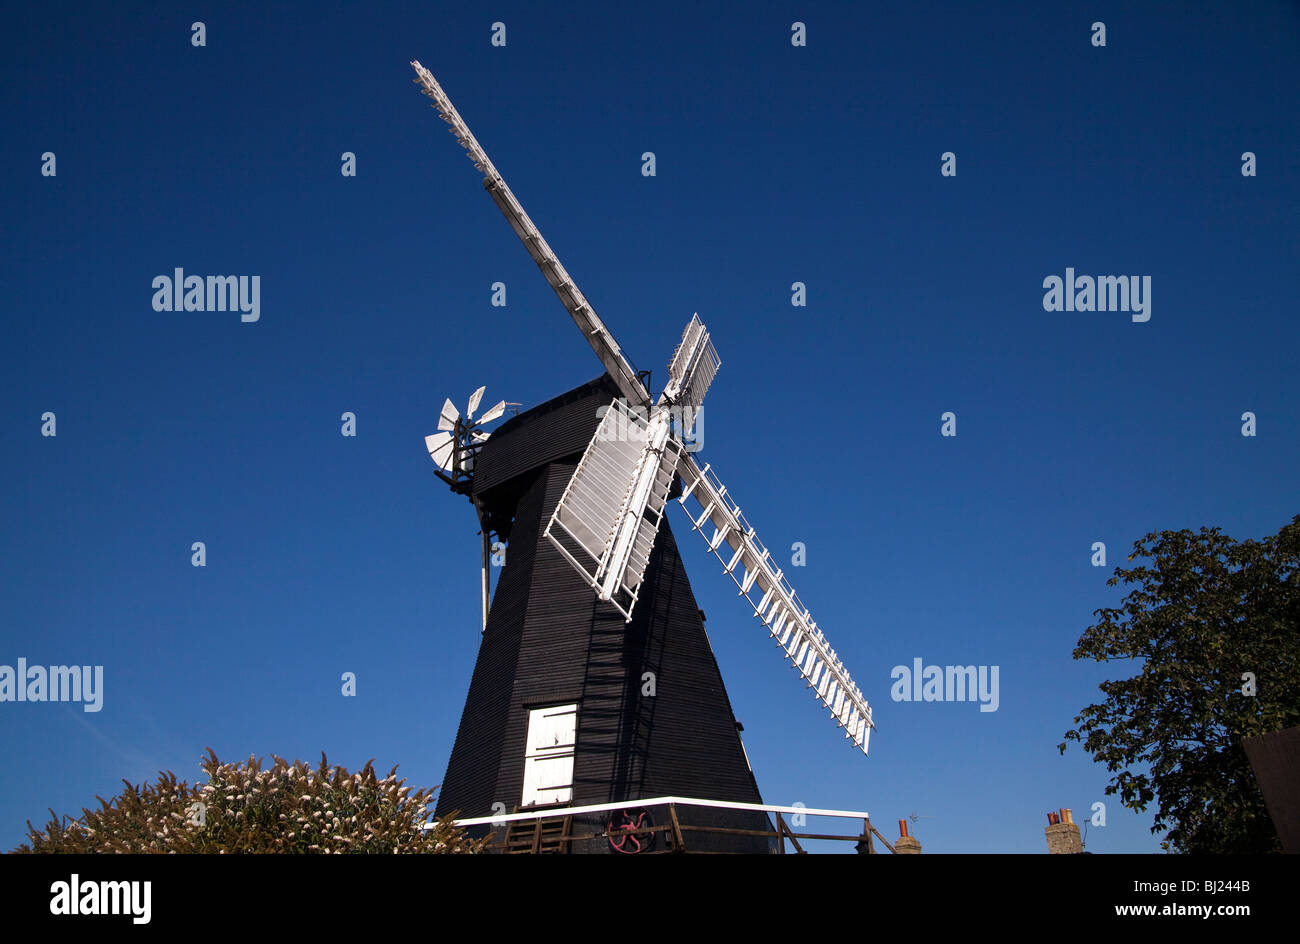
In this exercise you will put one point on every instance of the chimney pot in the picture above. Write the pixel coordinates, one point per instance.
(1062, 834)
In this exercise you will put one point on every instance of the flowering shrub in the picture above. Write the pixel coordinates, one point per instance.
(243, 808)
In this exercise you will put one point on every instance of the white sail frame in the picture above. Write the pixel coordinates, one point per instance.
(613, 504)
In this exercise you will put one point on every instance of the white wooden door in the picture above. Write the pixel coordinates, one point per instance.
(548, 756)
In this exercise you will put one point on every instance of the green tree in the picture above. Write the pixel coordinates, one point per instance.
(1202, 614)
(287, 808)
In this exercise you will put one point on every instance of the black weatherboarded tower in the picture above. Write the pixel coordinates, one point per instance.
(549, 643)
(595, 683)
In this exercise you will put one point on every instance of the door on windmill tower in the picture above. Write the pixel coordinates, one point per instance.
(548, 756)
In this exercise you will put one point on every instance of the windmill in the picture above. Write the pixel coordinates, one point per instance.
(593, 604)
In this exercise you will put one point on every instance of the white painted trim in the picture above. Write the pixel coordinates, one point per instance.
(657, 801)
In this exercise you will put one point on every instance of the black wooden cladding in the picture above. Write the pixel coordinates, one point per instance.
(558, 428)
(549, 641)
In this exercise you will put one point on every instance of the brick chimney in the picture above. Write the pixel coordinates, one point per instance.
(905, 844)
(1063, 834)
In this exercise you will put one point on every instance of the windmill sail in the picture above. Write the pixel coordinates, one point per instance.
(773, 599)
(580, 310)
(606, 520)
(694, 365)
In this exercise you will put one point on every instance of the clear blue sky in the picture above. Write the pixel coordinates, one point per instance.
(775, 164)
